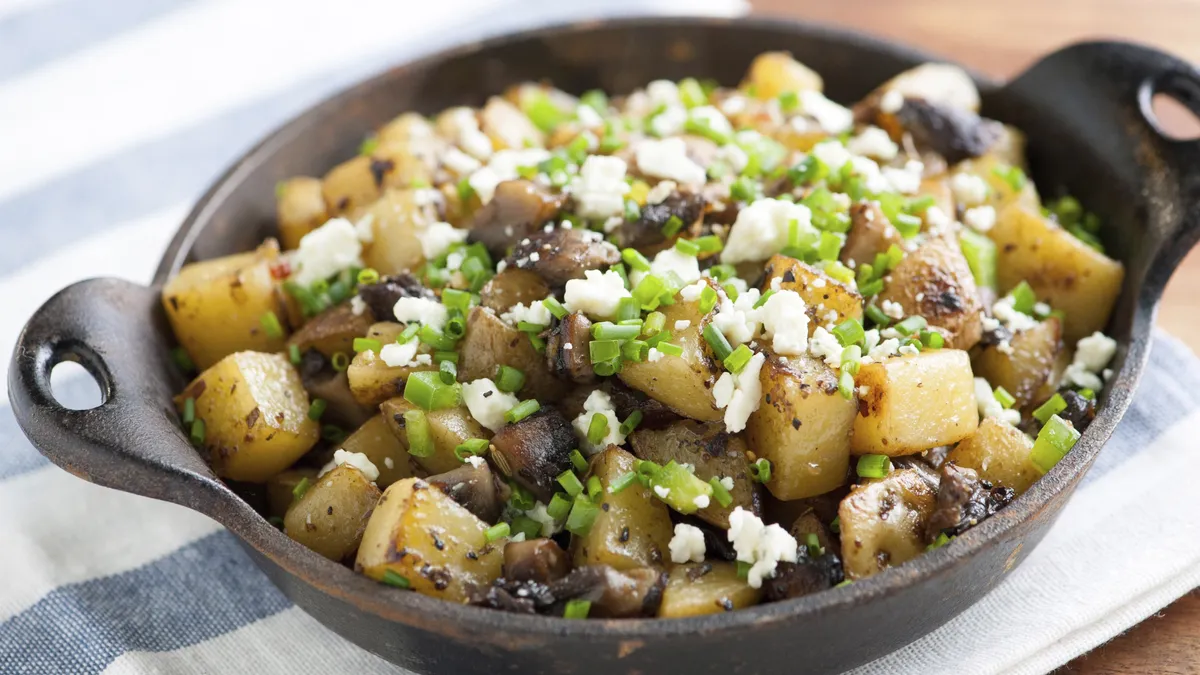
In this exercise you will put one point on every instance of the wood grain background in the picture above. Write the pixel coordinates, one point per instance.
(1001, 38)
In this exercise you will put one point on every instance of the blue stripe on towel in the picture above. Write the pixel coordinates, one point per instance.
(17, 455)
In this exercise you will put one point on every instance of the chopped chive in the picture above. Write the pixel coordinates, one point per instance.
(602, 351)
(456, 299)
(189, 412)
(435, 338)
(559, 507)
(737, 360)
(606, 330)
(708, 299)
(635, 350)
(594, 488)
(743, 570)
(1005, 399)
(716, 340)
(813, 543)
(629, 313)
(1023, 298)
(849, 332)
(333, 433)
(521, 499)
(672, 227)
(721, 272)
(669, 349)
(367, 345)
(570, 482)
(1089, 394)
(761, 470)
(873, 466)
(911, 325)
(294, 354)
(471, 447)
(271, 325)
(597, 428)
(184, 362)
(1012, 175)
(530, 327)
(1054, 441)
(980, 252)
(836, 525)
(932, 339)
(720, 494)
(709, 243)
(497, 531)
(763, 300)
(941, 541)
(452, 357)
(539, 345)
(578, 461)
(300, 488)
(658, 337)
(877, 316)
(635, 260)
(632, 211)
(527, 526)
(648, 291)
(522, 410)
(396, 580)
(197, 432)
(410, 331)
(846, 384)
(418, 433)
(691, 93)
(448, 372)
(367, 276)
(623, 481)
(556, 308)
(596, 100)
(317, 409)
(678, 487)
(1054, 405)
(577, 609)
(631, 422)
(509, 379)
(687, 247)
(340, 361)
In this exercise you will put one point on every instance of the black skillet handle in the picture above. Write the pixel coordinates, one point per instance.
(132, 441)
(1101, 92)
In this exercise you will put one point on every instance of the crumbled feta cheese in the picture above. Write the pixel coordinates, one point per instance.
(669, 122)
(534, 312)
(659, 193)
(687, 545)
(980, 218)
(654, 356)
(588, 117)
(1006, 313)
(539, 515)
(832, 117)
(784, 318)
(907, 180)
(874, 142)
(465, 127)
(739, 395)
(824, 345)
(662, 492)
(1041, 309)
(365, 228)
(701, 501)
(727, 482)
(891, 102)
(325, 251)
(735, 104)
(598, 402)
(738, 320)
(761, 230)
(596, 295)
(969, 189)
(734, 156)
(888, 348)
(682, 324)
(988, 406)
(487, 404)
(503, 166)
(389, 462)
(422, 310)
(455, 260)
(399, 355)
(355, 459)
(667, 158)
(460, 162)
(662, 92)
(937, 220)
(712, 118)
(692, 293)
(685, 266)
(436, 238)
(908, 350)
(832, 154)
(357, 305)
(763, 546)
(475, 461)
(892, 309)
(1092, 354)
(1005, 347)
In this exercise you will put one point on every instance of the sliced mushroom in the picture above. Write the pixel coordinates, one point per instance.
(517, 209)
(1080, 411)
(804, 577)
(963, 501)
(476, 488)
(870, 233)
(647, 229)
(954, 133)
(332, 331)
(567, 346)
(535, 451)
(563, 254)
(322, 381)
(629, 593)
(539, 560)
(381, 296)
(626, 400)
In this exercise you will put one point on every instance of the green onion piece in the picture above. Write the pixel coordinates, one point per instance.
(369, 145)
(737, 360)
(189, 412)
(635, 260)
(367, 345)
(301, 488)
(631, 422)
(763, 300)
(602, 351)
(1054, 405)
(456, 325)
(197, 432)
(527, 526)
(340, 361)
(687, 247)
(720, 494)
(919, 205)
(452, 357)
(597, 428)
(184, 362)
(808, 171)
(570, 482)
(708, 299)
(789, 101)
(497, 531)
(448, 372)
(456, 299)
(606, 330)
(813, 543)
(849, 332)
(743, 570)
(539, 345)
(669, 349)
(1023, 298)
(709, 243)
(623, 481)
(932, 339)
(271, 325)
(839, 272)
(680, 488)
(294, 354)
(596, 100)
(471, 447)
(658, 337)
(721, 272)
(367, 276)
(418, 434)
(846, 384)
(731, 291)
(522, 410)
(646, 471)
(873, 466)
(1089, 394)
(912, 324)
(872, 288)
(578, 461)
(851, 359)
(521, 499)
(1005, 399)
(632, 211)
(582, 515)
(672, 227)
(410, 331)
(426, 390)
(629, 313)
(540, 110)
(648, 291)
(635, 350)
(877, 316)
(829, 247)
(761, 470)
(316, 409)
(577, 609)
(594, 488)
(465, 191)
(1013, 175)
(691, 93)
(435, 339)
(980, 252)
(559, 507)
(530, 327)
(1054, 441)
(395, 580)
(716, 340)
(556, 308)
(509, 379)
(941, 541)
(836, 525)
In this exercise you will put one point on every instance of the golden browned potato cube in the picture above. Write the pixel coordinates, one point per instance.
(803, 427)
(512, 287)
(1026, 366)
(490, 343)
(871, 233)
(216, 307)
(372, 380)
(376, 440)
(450, 428)
(410, 129)
(994, 166)
(913, 403)
(883, 522)
(633, 527)
(332, 514)
(999, 452)
(397, 166)
(395, 219)
(696, 589)
(938, 187)
(333, 330)
(829, 301)
(349, 186)
(508, 127)
(772, 73)
(424, 536)
(935, 282)
(299, 208)
(280, 487)
(255, 414)
(682, 383)
(1063, 271)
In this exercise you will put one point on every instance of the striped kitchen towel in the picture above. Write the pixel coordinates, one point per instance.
(113, 117)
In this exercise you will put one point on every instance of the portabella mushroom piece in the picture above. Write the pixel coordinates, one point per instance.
(964, 501)
(626, 400)
(1080, 411)
(804, 577)
(381, 297)
(535, 451)
(613, 594)
(321, 381)
(518, 208)
(955, 134)
(647, 230)
(476, 488)
(539, 560)
(563, 254)
(567, 349)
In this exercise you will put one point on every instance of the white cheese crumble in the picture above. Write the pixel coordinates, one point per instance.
(785, 321)
(465, 127)
(1006, 313)
(685, 266)
(389, 462)
(832, 154)
(365, 228)
(712, 118)
(980, 218)
(701, 501)
(892, 309)
(727, 482)
(539, 515)
(596, 295)
(475, 461)
(908, 350)
(832, 117)
(1092, 354)
(601, 188)
(682, 324)
(763, 546)
(662, 92)
(659, 193)
(738, 320)
(761, 230)
(532, 313)
(460, 162)
(985, 399)
(874, 142)
(403, 355)
(357, 305)
(654, 356)
(888, 348)
(355, 459)
(824, 345)
(662, 492)
(325, 251)
(667, 158)
(598, 402)
(734, 156)
(669, 122)
(487, 404)
(937, 220)
(421, 310)
(503, 167)
(739, 395)
(891, 102)
(907, 180)
(687, 545)
(692, 293)
(588, 117)
(437, 237)
(969, 189)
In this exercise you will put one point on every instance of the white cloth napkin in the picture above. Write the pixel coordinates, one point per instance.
(115, 115)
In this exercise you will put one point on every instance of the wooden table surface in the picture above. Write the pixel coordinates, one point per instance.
(1001, 38)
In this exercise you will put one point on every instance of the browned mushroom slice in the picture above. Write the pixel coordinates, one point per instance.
(953, 133)
(517, 209)
(563, 254)
(647, 230)
(381, 296)
(323, 382)
(963, 501)
(870, 233)
(567, 346)
(539, 560)
(535, 451)
(626, 400)
(804, 577)
(475, 487)
(629, 593)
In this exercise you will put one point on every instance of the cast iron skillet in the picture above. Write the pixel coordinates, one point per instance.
(1086, 110)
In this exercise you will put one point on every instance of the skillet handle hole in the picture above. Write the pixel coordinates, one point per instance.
(74, 385)
(1173, 117)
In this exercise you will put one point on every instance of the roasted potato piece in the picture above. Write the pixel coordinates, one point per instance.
(913, 403)
(426, 537)
(255, 414)
(883, 522)
(512, 287)
(992, 168)
(633, 527)
(411, 129)
(999, 452)
(394, 165)
(376, 440)
(508, 127)
(870, 233)
(372, 381)
(450, 428)
(803, 427)
(1026, 366)
(535, 451)
(772, 73)
(299, 209)
(216, 307)
(683, 383)
(280, 487)
(395, 219)
(712, 452)
(935, 282)
(1062, 270)
(332, 514)
(490, 343)
(695, 589)
(350, 186)
(829, 301)
(332, 331)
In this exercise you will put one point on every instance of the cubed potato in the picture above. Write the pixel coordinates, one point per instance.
(490, 343)
(255, 414)
(410, 129)
(883, 522)
(999, 453)
(376, 440)
(299, 209)
(994, 167)
(1024, 368)
(696, 589)
(935, 282)
(1062, 270)
(633, 527)
(372, 381)
(332, 514)
(829, 301)
(450, 428)
(508, 127)
(1050, 387)
(772, 73)
(280, 487)
(913, 403)
(395, 218)
(424, 536)
(682, 383)
(512, 287)
(350, 186)
(333, 331)
(938, 187)
(803, 427)
(216, 307)
(395, 165)
(871, 233)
